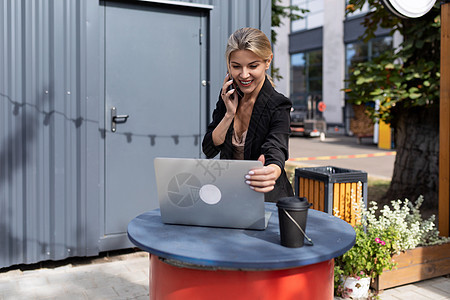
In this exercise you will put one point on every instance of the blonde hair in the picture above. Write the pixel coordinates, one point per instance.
(249, 39)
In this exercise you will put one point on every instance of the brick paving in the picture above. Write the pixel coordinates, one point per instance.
(126, 275)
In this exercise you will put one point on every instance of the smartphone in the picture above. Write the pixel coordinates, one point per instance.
(232, 86)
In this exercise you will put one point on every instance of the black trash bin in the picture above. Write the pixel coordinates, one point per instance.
(333, 190)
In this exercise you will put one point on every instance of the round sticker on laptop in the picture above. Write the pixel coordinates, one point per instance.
(210, 194)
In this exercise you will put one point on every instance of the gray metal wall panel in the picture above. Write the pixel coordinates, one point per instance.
(52, 122)
(43, 149)
(93, 81)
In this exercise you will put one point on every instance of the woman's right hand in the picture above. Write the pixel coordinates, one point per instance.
(220, 132)
(229, 97)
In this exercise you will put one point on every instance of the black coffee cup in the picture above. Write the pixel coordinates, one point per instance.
(292, 214)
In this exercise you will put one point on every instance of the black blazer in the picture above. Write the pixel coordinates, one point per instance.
(268, 134)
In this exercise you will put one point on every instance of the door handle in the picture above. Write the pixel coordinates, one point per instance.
(117, 119)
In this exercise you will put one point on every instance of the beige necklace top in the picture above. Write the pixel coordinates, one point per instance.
(238, 145)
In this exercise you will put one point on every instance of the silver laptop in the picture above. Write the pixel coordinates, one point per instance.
(209, 192)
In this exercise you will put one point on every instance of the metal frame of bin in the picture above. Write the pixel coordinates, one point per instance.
(323, 185)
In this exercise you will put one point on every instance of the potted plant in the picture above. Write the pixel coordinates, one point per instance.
(371, 254)
(422, 253)
(381, 236)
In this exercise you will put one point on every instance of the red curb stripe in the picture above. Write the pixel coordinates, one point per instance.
(344, 156)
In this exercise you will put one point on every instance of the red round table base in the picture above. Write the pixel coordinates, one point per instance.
(307, 282)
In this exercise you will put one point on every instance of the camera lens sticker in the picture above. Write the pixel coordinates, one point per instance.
(183, 189)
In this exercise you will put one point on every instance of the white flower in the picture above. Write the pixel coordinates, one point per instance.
(407, 220)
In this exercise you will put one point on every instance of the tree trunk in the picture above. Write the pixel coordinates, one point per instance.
(416, 167)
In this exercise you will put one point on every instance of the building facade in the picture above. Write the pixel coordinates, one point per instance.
(321, 49)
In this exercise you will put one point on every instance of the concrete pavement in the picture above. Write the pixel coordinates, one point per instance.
(119, 276)
(125, 276)
(349, 154)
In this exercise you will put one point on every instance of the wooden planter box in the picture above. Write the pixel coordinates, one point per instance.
(415, 265)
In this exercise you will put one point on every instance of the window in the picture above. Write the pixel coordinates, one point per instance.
(359, 51)
(306, 76)
(313, 19)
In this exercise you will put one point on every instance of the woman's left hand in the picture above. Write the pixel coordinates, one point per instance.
(263, 179)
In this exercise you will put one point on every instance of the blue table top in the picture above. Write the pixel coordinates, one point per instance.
(241, 249)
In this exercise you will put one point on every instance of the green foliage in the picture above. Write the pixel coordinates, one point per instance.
(391, 83)
(377, 17)
(371, 254)
(405, 77)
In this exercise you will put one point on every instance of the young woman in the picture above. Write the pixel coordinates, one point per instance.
(251, 120)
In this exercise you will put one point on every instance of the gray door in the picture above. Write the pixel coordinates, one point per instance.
(154, 61)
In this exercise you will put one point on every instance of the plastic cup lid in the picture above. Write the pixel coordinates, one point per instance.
(295, 203)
